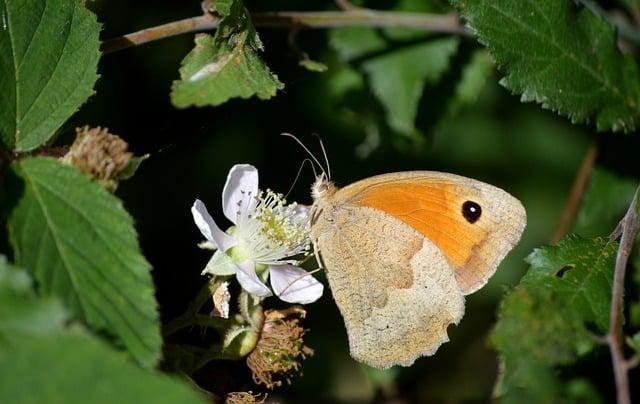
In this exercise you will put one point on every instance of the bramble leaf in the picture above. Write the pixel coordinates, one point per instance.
(549, 319)
(80, 245)
(559, 54)
(49, 53)
(226, 65)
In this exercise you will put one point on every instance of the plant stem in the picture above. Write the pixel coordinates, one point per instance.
(448, 23)
(191, 317)
(577, 193)
(629, 229)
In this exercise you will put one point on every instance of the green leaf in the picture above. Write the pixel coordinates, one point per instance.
(398, 79)
(397, 73)
(605, 202)
(21, 314)
(72, 367)
(81, 246)
(225, 66)
(549, 319)
(560, 55)
(474, 78)
(49, 51)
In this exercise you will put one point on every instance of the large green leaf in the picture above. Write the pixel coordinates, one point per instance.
(72, 367)
(560, 55)
(21, 314)
(49, 53)
(42, 361)
(81, 246)
(548, 320)
(226, 65)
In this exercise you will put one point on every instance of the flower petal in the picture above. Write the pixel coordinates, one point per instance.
(250, 281)
(294, 285)
(240, 190)
(301, 214)
(209, 228)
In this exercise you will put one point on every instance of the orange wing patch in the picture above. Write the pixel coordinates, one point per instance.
(433, 209)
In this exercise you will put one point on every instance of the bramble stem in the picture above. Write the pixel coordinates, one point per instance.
(440, 23)
(629, 227)
(577, 193)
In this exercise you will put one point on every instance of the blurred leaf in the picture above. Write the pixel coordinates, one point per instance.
(398, 79)
(81, 246)
(549, 318)
(634, 342)
(605, 203)
(21, 314)
(226, 65)
(313, 65)
(72, 367)
(560, 55)
(48, 67)
(41, 362)
(397, 73)
(474, 78)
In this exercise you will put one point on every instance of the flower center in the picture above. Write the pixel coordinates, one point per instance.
(276, 231)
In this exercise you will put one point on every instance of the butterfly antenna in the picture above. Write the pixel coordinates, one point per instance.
(298, 175)
(305, 149)
(324, 153)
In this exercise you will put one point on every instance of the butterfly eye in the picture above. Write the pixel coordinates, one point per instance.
(471, 211)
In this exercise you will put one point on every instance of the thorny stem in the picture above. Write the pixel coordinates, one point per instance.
(577, 193)
(448, 23)
(629, 227)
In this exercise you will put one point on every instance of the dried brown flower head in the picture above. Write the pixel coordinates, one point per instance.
(242, 397)
(280, 348)
(98, 153)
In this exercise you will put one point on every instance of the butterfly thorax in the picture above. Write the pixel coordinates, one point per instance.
(322, 189)
(322, 192)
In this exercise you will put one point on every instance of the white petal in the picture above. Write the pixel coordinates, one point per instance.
(209, 228)
(294, 285)
(301, 214)
(250, 281)
(240, 190)
(220, 264)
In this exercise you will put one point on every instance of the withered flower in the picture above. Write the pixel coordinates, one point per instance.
(280, 349)
(242, 397)
(99, 153)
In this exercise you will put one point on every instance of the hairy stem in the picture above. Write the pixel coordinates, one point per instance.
(304, 19)
(629, 227)
(577, 193)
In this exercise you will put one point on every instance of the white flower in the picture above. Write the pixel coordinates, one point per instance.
(266, 234)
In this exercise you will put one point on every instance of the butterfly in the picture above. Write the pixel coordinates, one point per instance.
(400, 252)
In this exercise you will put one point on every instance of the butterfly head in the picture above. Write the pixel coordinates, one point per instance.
(322, 188)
